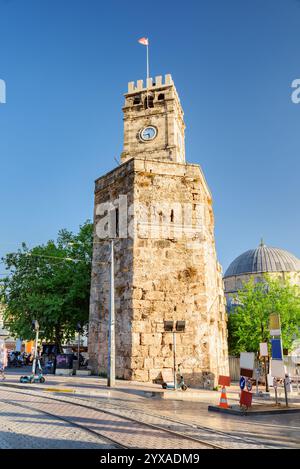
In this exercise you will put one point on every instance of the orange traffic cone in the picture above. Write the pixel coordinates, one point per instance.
(223, 399)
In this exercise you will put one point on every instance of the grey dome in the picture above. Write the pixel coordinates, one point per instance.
(263, 259)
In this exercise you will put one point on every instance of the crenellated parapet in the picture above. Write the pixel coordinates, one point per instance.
(149, 83)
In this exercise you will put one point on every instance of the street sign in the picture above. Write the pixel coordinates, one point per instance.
(247, 364)
(270, 380)
(224, 380)
(242, 382)
(246, 372)
(274, 321)
(263, 349)
(275, 331)
(276, 349)
(288, 384)
(277, 368)
(247, 360)
(246, 398)
(249, 385)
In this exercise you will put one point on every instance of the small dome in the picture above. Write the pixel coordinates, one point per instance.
(263, 259)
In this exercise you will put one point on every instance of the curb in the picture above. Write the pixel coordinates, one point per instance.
(231, 411)
(95, 393)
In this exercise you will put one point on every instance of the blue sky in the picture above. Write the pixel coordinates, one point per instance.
(66, 64)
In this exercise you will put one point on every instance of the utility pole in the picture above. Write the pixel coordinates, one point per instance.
(265, 360)
(174, 360)
(36, 327)
(78, 345)
(111, 378)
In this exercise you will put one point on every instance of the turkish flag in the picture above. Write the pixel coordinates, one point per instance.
(144, 41)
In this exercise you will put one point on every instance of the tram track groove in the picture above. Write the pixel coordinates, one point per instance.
(70, 422)
(177, 435)
(166, 419)
(193, 426)
(228, 436)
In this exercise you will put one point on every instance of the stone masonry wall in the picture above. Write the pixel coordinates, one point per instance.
(161, 274)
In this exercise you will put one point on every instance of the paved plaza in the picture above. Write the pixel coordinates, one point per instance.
(81, 412)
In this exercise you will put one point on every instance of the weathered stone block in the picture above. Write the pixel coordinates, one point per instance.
(140, 351)
(167, 338)
(154, 351)
(155, 295)
(163, 362)
(151, 339)
(141, 326)
(140, 375)
(148, 363)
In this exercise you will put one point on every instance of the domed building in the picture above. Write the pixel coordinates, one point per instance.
(256, 262)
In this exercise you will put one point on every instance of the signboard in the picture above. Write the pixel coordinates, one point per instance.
(247, 360)
(288, 384)
(246, 398)
(64, 361)
(224, 380)
(245, 372)
(242, 382)
(277, 368)
(270, 380)
(263, 349)
(276, 349)
(274, 324)
(274, 321)
(275, 331)
(249, 385)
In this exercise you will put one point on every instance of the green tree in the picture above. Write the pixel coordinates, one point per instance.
(50, 283)
(248, 322)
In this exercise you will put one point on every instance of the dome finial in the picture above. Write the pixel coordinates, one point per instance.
(262, 244)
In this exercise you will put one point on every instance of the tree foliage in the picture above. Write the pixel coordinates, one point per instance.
(50, 283)
(248, 323)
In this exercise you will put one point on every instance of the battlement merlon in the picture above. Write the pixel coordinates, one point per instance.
(156, 85)
(150, 84)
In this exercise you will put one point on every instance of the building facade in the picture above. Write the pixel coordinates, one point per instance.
(254, 263)
(4, 334)
(158, 208)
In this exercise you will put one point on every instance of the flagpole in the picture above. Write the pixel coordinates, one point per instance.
(148, 59)
(147, 53)
(145, 42)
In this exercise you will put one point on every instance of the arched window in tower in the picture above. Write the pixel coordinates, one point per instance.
(161, 97)
(148, 102)
(137, 100)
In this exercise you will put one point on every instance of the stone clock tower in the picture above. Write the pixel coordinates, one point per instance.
(153, 122)
(158, 209)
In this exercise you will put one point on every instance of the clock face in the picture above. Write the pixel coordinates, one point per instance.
(148, 133)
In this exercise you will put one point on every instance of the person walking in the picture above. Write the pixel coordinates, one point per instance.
(3, 359)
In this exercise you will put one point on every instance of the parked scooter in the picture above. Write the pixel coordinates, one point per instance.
(180, 382)
(35, 378)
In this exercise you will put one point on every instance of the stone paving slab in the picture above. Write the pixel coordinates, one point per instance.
(208, 435)
(23, 428)
(281, 430)
(124, 431)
